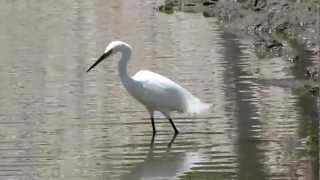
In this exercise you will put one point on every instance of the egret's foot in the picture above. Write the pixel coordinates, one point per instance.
(176, 132)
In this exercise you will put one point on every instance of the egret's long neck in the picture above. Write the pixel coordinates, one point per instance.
(122, 66)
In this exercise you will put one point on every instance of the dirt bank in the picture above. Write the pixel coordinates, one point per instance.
(272, 24)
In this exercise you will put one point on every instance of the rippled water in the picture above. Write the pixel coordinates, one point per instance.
(58, 122)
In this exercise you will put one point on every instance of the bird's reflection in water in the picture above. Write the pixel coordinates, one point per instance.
(162, 165)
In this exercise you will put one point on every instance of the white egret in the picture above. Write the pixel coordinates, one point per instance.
(154, 91)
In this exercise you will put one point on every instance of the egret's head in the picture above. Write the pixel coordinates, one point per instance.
(112, 48)
(116, 46)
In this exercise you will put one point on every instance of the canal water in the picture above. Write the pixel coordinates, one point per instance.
(58, 122)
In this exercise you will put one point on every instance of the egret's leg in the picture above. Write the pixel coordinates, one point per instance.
(152, 122)
(174, 127)
(172, 124)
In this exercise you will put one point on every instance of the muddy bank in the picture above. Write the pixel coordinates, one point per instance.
(273, 21)
(273, 26)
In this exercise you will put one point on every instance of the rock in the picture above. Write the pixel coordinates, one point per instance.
(294, 58)
(167, 7)
(314, 91)
(313, 73)
(209, 2)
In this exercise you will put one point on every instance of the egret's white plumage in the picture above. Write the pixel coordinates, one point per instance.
(155, 91)
(165, 96)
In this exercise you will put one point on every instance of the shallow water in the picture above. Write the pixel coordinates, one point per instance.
(58, 122)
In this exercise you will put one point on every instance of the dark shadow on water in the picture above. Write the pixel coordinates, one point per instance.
(309, 121)
(249, 155)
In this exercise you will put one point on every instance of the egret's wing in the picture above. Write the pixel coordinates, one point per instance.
(162, 81)
(160, 92)
(164, 94)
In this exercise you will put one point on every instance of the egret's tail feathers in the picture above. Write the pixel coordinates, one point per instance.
(195, 106)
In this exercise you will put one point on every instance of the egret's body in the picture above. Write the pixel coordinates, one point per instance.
(154, 91)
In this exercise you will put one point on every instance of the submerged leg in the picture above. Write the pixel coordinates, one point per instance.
(171, 142)
(172, 124)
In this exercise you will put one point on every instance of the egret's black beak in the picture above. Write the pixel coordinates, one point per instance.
(102, 57)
